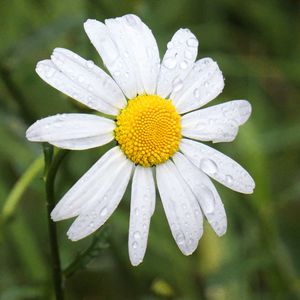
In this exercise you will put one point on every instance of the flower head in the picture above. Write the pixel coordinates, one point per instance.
(158, 121)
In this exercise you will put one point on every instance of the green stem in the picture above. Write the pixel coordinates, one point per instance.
(51, 168)
(98, 243)
(20, 187)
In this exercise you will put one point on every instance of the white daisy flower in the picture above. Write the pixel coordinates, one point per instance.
(158, 120)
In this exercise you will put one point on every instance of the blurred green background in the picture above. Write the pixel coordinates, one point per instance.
(257, 45)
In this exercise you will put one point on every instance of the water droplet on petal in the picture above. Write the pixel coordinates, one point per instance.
(191, 241)
(183, 65)
(177, 85)
(170, 63)
(196, 93)
(208, 166)
(170, 45)
(103, 212)
(74, 95)
(192, 42)
(137, 235)
(90, 64)
(136, 212)
(134, 245)
(207, 200)
(180, 238)
(229, 179)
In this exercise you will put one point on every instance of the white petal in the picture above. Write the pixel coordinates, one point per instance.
(129, 51)
(219, 123)
(204, 83)
(53, 76)
(72, 131)
(141, 209)
(177, 62)
(89, 76)
(103, 202)
(218, 166)
(88, 185)
(205, 192)
(181, 207)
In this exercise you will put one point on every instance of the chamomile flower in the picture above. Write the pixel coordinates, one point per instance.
(158, 123)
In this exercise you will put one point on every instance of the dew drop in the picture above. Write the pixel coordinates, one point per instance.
(170, 63)
(196, 93)
(229, 179)
(207, 200)
(170, 45)
(137, 235)
(134, 245)
(183, 65)
(177, 85)
(208, 166)
(191, 241)
(74, 95)
(180, 238)
(103, 212)
(136, 212)
(90, 64)
(192, 42)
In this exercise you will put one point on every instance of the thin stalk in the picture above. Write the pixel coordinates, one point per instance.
(14, 197)
(51, 168)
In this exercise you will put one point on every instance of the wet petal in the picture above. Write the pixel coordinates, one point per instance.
(129, 51)
(89, 76)
(141, 209)
(103, 201)
(203, 84)
(177, 62)
(87, 186)
(49, 72)
(218, 166)
(205, 192)
(181, 207)
(219, 123)
(72, 131)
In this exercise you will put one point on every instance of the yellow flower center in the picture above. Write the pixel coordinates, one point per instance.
(148, 130)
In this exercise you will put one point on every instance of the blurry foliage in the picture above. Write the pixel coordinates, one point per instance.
(257, 46)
